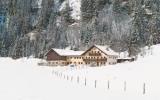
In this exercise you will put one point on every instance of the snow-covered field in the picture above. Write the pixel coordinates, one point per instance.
(23, 79)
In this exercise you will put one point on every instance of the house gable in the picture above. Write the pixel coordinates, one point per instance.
(96, 50)
(53, 56)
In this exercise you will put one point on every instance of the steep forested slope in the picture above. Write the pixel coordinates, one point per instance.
(30, 27)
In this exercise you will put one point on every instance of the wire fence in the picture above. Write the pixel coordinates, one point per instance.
(95, 83)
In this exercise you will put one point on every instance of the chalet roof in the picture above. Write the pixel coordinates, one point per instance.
(64, 52)
(106, 50)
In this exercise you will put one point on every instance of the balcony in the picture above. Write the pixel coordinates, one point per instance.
(95, 60)
(94, 54)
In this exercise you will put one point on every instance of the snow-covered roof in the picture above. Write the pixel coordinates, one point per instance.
(106, 50)
(64, 52)
(67, 52)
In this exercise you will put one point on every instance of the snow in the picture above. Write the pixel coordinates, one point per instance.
(148, 12)
(106, 50)
(39, 2)
(23, 79)
(32, 35)
(75, 5)
(63, 5)
(124, 3)
(123, 54)
(65, 52)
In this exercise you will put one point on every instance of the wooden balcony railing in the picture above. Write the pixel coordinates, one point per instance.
(94, 54)
(95, 60)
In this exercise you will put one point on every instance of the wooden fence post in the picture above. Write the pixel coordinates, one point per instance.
(85, 82)
(108, 85)
(78, 79)
(144, 88)
(125, 86)
(95, 83)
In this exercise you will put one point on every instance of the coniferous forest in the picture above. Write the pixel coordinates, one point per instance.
(31, 27)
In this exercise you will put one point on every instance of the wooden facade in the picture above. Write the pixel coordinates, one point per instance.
(94, 56)
(52, 56)
(97, 57)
